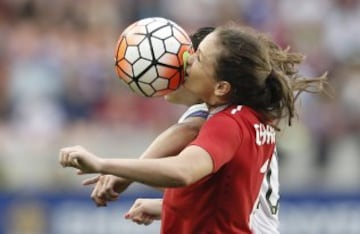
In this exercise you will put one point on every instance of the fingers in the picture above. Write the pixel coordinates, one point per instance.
(103, 191)
(79, 172)
(108, 190)
(98, 183)
(78, 157)
(133, 211)
(68, 156)
(136, 210)
(63, 157)
(99, 201)
(92, 180)
(147, 220)
(143, 219)
(138, 215)
(108, 194)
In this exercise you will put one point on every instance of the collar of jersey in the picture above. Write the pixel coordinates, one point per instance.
(217, 110)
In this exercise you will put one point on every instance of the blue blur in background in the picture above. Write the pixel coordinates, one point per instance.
(59, 213)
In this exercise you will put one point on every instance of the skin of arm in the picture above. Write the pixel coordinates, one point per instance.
(191, 165)
(169, 142)
(174, 139)
(145, 211)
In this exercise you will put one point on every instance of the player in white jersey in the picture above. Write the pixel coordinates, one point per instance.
(172, 140)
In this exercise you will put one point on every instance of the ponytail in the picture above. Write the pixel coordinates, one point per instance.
(262, 75)
(276, 100)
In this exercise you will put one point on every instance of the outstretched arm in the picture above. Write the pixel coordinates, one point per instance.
(192, 164)
(169, 142)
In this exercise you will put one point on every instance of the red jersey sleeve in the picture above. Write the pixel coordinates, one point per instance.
(220, 136)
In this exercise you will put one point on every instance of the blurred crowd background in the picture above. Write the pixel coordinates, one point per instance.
(58, 86)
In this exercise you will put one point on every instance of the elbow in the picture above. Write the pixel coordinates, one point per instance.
(184, 179)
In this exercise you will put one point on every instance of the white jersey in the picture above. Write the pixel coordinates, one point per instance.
(265, 219)
(197, 110)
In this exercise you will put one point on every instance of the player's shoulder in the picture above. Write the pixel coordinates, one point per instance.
(241, 114)
(197, 107)
(240, 111)
(196, 110)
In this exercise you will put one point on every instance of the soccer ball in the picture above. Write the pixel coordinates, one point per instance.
(149, 56)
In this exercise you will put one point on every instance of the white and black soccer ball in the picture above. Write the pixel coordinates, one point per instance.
(149, 56)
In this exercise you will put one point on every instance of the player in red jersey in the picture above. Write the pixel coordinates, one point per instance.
(169, 142)
(144, 211)
(213, 184)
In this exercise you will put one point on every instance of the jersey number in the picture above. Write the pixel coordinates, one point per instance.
(271, 194)
(271, 197)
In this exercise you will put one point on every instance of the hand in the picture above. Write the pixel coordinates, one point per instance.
(78, 157)
(107, 188)
(145, 211)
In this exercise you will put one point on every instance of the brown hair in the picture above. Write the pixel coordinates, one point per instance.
(199, 35)
(262, 75)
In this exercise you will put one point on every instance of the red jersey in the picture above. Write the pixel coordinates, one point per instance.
(222, 202)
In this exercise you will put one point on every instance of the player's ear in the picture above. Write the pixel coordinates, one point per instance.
(222, 88)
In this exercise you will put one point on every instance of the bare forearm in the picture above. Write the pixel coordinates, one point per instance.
(174, 139)
(153, 172)
(191, 165)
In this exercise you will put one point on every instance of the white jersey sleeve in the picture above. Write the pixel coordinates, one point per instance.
(265, 219)
(197, 110)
